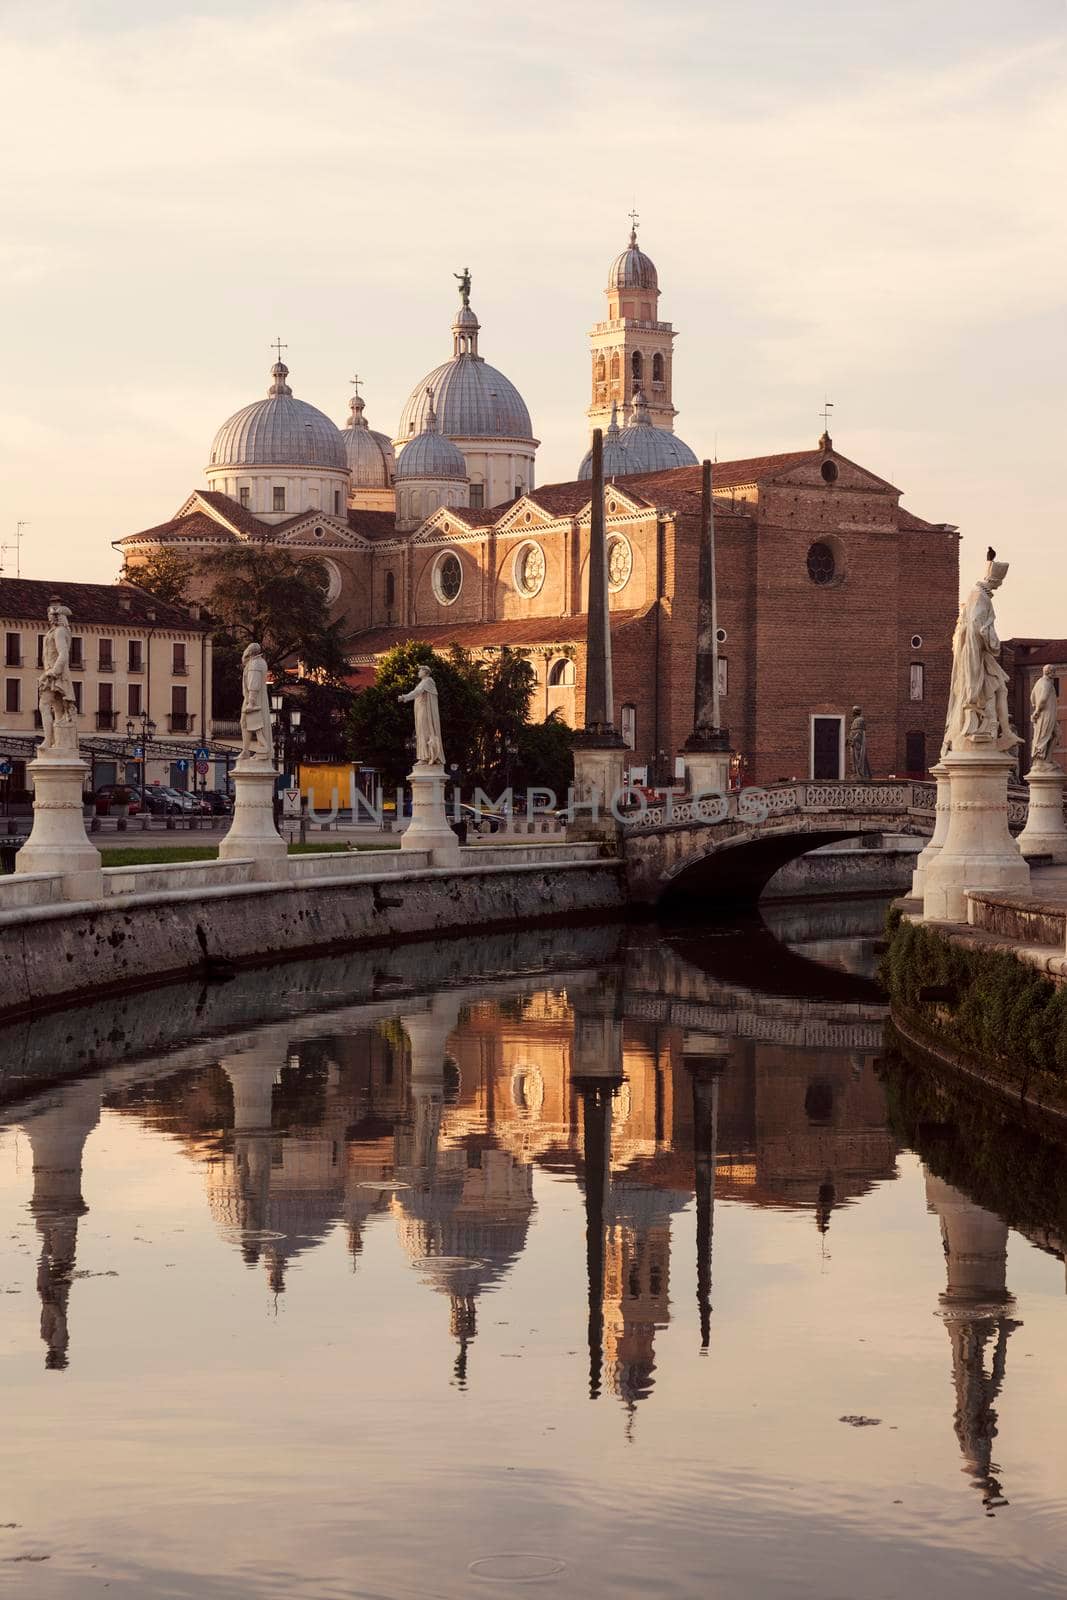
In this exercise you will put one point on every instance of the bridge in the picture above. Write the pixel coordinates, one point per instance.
(730, 846)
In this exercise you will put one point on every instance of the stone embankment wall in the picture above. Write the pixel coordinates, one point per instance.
(63, 952)
(840, 870)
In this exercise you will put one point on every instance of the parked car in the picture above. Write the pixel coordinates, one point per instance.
(479, 821)
(182, 801)
(218, 803)
(104, 798)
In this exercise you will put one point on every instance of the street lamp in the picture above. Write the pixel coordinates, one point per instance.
(148, 733)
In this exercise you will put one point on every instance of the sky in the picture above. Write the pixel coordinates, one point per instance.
(845, 201)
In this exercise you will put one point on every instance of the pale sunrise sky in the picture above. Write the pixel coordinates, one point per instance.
(845, 200)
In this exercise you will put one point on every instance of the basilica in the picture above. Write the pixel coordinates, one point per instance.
(830, 593)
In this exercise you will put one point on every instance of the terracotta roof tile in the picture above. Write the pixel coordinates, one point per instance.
(518, 632)
(28, 599)
(238, 516)
(198, 525)
(373, 524)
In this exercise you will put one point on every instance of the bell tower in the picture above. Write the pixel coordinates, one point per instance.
(633, 348)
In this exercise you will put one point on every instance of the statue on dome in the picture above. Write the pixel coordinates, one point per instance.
(978, 711)
(464, 280)
(255, 706)
(429, 750)
(59, 709)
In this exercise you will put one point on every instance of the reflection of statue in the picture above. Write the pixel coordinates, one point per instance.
(1044, 719)
(464, 280)
(978, 699)
(255, 706)
(857, 746)
(429, 751)
(56, 691)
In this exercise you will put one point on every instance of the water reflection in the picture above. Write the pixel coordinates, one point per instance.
(627, 1086)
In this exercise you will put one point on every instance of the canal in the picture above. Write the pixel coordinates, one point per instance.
(599, 1262)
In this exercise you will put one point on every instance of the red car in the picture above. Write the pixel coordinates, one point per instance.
(104, 797)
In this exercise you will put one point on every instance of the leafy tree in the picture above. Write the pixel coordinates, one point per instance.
(265, 593)
(546, 757)
(381, 727)
(508, 681)
(166, 574)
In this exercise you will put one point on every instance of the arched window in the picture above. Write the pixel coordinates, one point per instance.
(657, 368)
(561, 674)
(636, 365)
(390, 589)
(601, 369)
(615, 368)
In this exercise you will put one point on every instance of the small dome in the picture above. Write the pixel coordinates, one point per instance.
(429, 454)
(370, 455)
(639, 447)
(279, 432)
(633, 269)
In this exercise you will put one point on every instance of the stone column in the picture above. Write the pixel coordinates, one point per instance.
(978, 852)
(58, 842)
(1045, 833)
(599, 748)
(253, 834)
(927, 855)
(707, 749)
(429, 826)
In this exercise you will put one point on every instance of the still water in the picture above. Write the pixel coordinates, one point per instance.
(599, 1262)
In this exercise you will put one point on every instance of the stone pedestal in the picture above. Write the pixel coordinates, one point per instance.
(1045, 833)
(429, 827)
(707, 772)
(598, 767)
(253, 835)
(927, 855)
(978, 852)
(58, 842)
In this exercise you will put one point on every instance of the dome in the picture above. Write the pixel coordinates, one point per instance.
(370, 455)
(633, 269)
(639, 447)
(429, 454)
(279, 432)
(473, 399)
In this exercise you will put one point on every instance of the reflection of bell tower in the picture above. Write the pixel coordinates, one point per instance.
(636, 1290)
(57, 1138)
(976, 1308)
(706, 1056)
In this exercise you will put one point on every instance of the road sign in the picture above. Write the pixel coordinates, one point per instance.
(138, 752)
(202, 754)
(290, 802)
(5, 768)
(202, 768)
(182, 765)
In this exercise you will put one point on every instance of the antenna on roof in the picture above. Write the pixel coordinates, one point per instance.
(17, 547)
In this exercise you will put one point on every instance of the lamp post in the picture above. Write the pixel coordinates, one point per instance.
(148, 733)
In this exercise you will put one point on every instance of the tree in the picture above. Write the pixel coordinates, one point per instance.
(508, 681)
(381, 727)
(263, 593)
(165, 573)
(546, 757)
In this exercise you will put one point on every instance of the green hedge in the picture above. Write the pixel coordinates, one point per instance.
(1002, 1011)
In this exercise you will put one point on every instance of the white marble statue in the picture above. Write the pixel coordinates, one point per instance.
(59, 711)
(857, 747)
(978, 714)
(256, 742)
(429, 751)
(1044, 719)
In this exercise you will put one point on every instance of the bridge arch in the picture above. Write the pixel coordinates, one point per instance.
(738, 868)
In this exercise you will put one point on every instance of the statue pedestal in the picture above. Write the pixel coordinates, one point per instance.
(429, 827)
(707, 756)
(57, 841)
(598, 764)
(253, 835)
(978, 851)
(931, 851)
(1045, 833)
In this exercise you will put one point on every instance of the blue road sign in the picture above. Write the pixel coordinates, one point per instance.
(182, 766)
(138, 752)
(5, 769)
(203, 754)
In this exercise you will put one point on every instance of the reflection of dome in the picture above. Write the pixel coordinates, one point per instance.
(370, 455)
(473, 399)
(275, 1210)
(278, 431)
(633, 269)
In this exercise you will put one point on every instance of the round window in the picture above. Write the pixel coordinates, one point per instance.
(829, 471)
(620, 562)
(447, 578)
(821, 564)
(720, 634)
(916, 641)
(529, 569)
(319, 533)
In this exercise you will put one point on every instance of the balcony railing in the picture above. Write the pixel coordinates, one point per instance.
(106, 721)
(105, 664)
(135, 665)
(225, 730)
(180, 722)
(14, 661)
(180, 669)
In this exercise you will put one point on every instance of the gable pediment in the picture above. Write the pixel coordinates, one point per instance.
(809, 474)
(335, 535)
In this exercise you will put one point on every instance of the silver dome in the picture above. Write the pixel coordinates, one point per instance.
(279, 432)
(633, 269)
(430, 454)
(639, 447)
(473, 399)
(370, 455)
